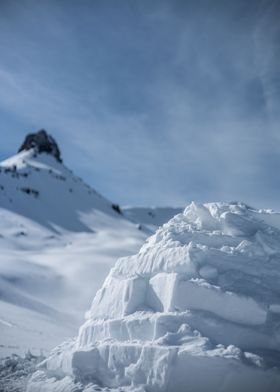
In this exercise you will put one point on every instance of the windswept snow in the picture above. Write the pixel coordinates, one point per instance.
(196, 309)
(58, 238)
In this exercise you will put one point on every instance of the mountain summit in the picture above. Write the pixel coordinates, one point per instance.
(41, 141)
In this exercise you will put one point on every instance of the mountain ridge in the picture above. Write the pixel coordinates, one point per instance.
(36, 180)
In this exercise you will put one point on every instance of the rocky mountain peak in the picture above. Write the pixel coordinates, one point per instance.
(41, 141)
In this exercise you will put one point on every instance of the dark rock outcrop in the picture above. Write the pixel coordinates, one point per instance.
(41, 142)
(117, 208)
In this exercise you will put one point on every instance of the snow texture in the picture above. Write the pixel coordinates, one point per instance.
(197, 309)
(15, 371)
(58, 239)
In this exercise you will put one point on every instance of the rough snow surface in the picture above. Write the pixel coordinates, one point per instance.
(196, 309)
(15, 371)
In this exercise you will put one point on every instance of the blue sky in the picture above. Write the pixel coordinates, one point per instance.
(151, 102)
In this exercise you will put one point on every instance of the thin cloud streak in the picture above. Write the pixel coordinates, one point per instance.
(160, 106)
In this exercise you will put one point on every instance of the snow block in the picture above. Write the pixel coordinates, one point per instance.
(129, 293)
(160, 295)
(198, 295)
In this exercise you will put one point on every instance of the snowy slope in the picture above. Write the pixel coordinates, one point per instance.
(44, 190)
(58, 240)
(198, 309)
(150, 217)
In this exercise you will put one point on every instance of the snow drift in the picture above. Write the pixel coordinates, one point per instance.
(57, 235)
(197, 309)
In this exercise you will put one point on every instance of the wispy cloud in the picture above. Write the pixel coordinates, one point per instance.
(153, 103)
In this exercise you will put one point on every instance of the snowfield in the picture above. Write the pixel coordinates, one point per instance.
(58, 239)
(197, 309)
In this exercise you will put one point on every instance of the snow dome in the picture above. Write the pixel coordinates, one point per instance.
(197, 309)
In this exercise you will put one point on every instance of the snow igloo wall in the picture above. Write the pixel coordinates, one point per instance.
(197, 309)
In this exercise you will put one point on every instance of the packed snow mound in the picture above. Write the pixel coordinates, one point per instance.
(198, 309)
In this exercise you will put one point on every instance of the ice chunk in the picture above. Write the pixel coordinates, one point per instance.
(118, 298)
(160, 296)
(197, 295)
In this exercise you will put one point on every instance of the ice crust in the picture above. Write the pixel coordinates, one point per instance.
(196, 309)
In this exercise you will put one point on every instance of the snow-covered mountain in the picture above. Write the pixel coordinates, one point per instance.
(197, 309)
(58, 240)
(150, 217)
(37, 185)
